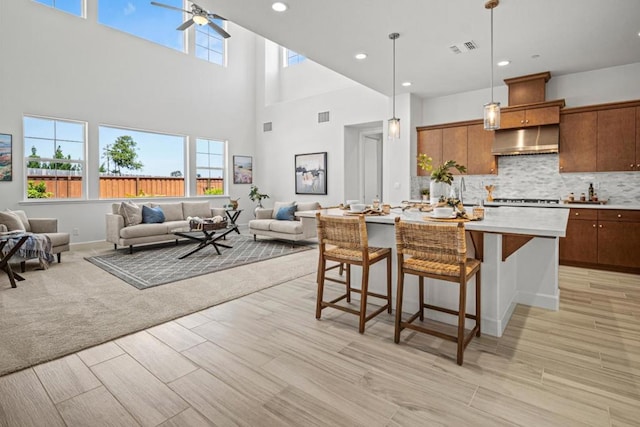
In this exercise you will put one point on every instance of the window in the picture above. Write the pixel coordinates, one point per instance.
(142, 19)
(209, 44)
(135, 163)
(292, 58)
(74, 7)
(210, 166)
(54, 157)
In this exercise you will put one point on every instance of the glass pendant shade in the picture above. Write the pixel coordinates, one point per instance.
(492, 116)
(394, 128)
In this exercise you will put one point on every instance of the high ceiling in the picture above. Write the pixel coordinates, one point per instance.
(568, 35)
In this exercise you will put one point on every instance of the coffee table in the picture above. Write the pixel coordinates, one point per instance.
(4, 259)
(206, 238)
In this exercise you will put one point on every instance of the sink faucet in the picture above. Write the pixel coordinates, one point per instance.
(463, 188)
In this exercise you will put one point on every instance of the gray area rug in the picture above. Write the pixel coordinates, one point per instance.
(148, 267)
(75, 305)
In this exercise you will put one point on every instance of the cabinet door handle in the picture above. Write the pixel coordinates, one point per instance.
(561, 167)
(577, 214)
(526, 121)
(619, 215)
(594, 226)
(521, 122)
(600, 225)
(631, 165)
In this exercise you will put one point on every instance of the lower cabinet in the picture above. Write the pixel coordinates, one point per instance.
(608, 239)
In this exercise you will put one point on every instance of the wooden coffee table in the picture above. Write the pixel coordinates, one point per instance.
(205, 238)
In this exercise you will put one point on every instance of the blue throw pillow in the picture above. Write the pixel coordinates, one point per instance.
(152, 215)
(286, 213)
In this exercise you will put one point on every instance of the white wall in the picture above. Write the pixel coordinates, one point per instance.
(59, 65)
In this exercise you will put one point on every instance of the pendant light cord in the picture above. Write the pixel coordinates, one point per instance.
(492, 55)
(394, 77)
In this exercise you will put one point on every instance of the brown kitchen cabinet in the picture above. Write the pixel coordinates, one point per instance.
(616, 140)
(465, 142)
(608, 239)
(520, 117)
(578, 142)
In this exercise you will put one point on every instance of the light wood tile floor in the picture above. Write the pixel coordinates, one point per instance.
(265, 360)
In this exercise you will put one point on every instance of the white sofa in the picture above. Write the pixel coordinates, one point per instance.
(175, 213)
(267, 225)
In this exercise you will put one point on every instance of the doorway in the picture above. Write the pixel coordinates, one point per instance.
(363, 171)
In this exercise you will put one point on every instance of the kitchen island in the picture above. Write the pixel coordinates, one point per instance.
(519, 250)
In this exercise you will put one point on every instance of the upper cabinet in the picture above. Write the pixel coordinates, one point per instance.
(600, 138)
(546, 113)
(465, 142)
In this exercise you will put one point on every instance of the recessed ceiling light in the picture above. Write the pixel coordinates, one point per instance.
(279, 6)
(504, 63)
(405, 84)
(361, 55)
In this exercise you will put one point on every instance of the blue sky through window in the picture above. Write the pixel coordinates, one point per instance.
(71, 6)
(142, 19)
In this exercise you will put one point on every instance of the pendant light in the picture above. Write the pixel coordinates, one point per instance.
(492, 109)
(394, 122)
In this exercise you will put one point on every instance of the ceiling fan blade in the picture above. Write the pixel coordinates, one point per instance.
(169, 7)
(214, 16)
(185, 25)
(219, 30)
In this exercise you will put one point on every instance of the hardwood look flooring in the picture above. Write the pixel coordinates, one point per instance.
(264, 360)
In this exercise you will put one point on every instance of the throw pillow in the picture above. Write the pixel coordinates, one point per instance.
(23, 217)
(152, 215)
(199, 209)
(131, 212)
(172, 211)
(278, 205)
(11, 221)
(286, 213)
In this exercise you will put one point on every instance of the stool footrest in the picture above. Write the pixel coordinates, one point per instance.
(466, 340)
(448, 311)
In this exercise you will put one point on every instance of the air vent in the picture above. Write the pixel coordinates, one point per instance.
(267, 127)
(463, 47)
(323, 117)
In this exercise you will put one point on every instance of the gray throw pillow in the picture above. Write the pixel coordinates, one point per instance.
(23, 217)
(131, 213)
(172, 211)
(199, 209)
(11, 221)
(278, 205)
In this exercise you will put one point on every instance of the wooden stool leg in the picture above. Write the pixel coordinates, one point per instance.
(389, 284)
(322, 264)
(363, 297)
(399, 295)
(348, 281)
(478, 301)
(461, 318)
(421, 296)
(341, 269)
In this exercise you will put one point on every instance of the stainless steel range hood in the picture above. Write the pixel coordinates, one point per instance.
(532, 140)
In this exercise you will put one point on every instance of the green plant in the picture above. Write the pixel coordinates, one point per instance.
(256, 195)
(213, 191)
(441, 173)
(38, 191)
(425, 191)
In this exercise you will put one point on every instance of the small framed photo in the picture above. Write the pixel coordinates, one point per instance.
(311, 173)
(6, 173)
(242, 170)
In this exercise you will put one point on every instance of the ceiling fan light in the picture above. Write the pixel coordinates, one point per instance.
(200, 20)
(279, 6)
(492, 116)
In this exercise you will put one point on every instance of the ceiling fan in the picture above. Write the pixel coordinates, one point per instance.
(200, 17)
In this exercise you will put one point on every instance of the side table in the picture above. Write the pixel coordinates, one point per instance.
(233, 215)
(5, 258)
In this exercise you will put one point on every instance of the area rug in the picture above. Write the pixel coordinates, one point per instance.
(146, 268)
(75, 305)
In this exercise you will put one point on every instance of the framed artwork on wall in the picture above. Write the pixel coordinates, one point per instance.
(311, 173)
(5, 157)
(242, 170)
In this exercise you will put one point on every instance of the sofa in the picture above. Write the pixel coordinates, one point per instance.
(45, 226)
(125, 227)
(291, 229)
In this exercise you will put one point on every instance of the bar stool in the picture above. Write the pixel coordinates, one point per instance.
(436, 251)
(344, 240)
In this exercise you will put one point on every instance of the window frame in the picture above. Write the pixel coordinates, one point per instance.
(210, 34)
(224, 168)
(286, 57)
(83, 8)
(82, 162)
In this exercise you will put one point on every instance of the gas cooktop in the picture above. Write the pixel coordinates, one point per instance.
(533, 201)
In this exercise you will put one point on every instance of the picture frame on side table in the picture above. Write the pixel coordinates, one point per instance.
(311, 173)
(242, 170)
(6, 157)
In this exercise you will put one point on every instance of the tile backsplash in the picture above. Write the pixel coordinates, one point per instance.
(537, 176)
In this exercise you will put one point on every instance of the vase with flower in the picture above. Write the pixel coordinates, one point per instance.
(441, 176)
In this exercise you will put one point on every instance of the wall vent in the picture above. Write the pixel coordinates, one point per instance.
(267, 127)
(323, 117)
(463, 47)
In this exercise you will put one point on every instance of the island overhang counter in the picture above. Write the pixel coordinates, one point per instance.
(519, 250)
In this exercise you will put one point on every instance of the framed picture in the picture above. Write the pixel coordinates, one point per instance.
(242, 170)
(311, 173)
(5, 157)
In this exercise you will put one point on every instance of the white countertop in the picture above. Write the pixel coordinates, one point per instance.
(533, 221)
(564, 205)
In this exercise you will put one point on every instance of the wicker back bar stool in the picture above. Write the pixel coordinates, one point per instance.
(436, 251)
(344, 240)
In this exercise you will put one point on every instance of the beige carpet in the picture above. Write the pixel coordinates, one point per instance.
(75, 305)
